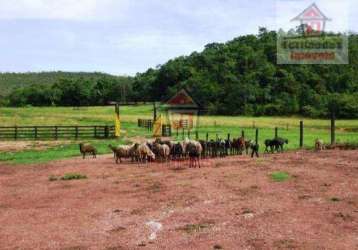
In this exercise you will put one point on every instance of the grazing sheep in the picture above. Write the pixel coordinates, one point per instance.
(88, 149)
(204, 145)
(221, 146)
(162, 151)
(319, 145)
(177, 151)
(133, 152)
(113, 150)
(186, 142)
(279, 143)
(269, 144)
(194, 150)
(275, 144)
(235, 147)
(255, 150)
(241, 145)
(168, 143)
(248, 145)
(212, 148)
(145, 154)
(122, 152)
(228, 146)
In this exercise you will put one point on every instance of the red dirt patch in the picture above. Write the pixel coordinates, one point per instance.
(228, 204)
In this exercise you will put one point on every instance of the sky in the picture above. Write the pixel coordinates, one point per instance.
(124, 37)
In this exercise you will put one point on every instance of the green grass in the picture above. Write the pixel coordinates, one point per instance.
(347, 130)
(280, 176)
(55, 153)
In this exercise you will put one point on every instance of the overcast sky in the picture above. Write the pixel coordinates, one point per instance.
(124, 37)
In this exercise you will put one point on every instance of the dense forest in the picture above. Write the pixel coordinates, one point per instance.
(239, 77)
(62, 89)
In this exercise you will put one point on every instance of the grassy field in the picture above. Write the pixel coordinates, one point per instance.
(347, 130)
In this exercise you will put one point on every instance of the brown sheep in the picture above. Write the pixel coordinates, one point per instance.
(124, 152)
(88, 149)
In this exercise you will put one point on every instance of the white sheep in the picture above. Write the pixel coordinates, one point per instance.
(163, 151)
(197, 144)
(145, 153)
(319, 145)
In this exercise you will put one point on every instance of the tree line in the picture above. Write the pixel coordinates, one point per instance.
(72, 91)
(239, 77)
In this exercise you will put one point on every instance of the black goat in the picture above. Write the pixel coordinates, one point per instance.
(275, 144)
(177, 151)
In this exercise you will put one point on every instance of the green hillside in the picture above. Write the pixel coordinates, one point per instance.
(242, 77)
(11, 81)
(239, 77)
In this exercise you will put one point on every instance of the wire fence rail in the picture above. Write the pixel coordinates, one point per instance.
(56, 132)
(181, 129)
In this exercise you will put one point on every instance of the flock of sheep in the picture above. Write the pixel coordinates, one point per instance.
(193, 150)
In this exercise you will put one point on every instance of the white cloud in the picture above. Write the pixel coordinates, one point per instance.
(62, 9)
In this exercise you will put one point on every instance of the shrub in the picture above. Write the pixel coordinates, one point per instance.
(73, 176)
(52, 178)
(335, 199)
(280, 176)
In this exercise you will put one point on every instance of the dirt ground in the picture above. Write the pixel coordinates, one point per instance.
(227, 204)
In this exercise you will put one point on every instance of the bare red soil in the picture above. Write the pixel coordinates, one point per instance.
(228, 204)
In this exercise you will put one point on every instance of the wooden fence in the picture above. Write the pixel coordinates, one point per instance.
(143, 123)
(56, 132)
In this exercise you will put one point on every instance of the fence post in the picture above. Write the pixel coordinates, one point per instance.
(106, 131)
(189, 133)
(243, 133)
(301, 134)
(56, 133)
(276, 132)
(207, 136)
(35, 130)
(228, 137)
(333, 129)
(257, 136)
(95, 131)
(197, 135)
(76, 132)
(15, 134)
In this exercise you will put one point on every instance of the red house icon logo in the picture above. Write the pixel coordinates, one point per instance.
(312, 19)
